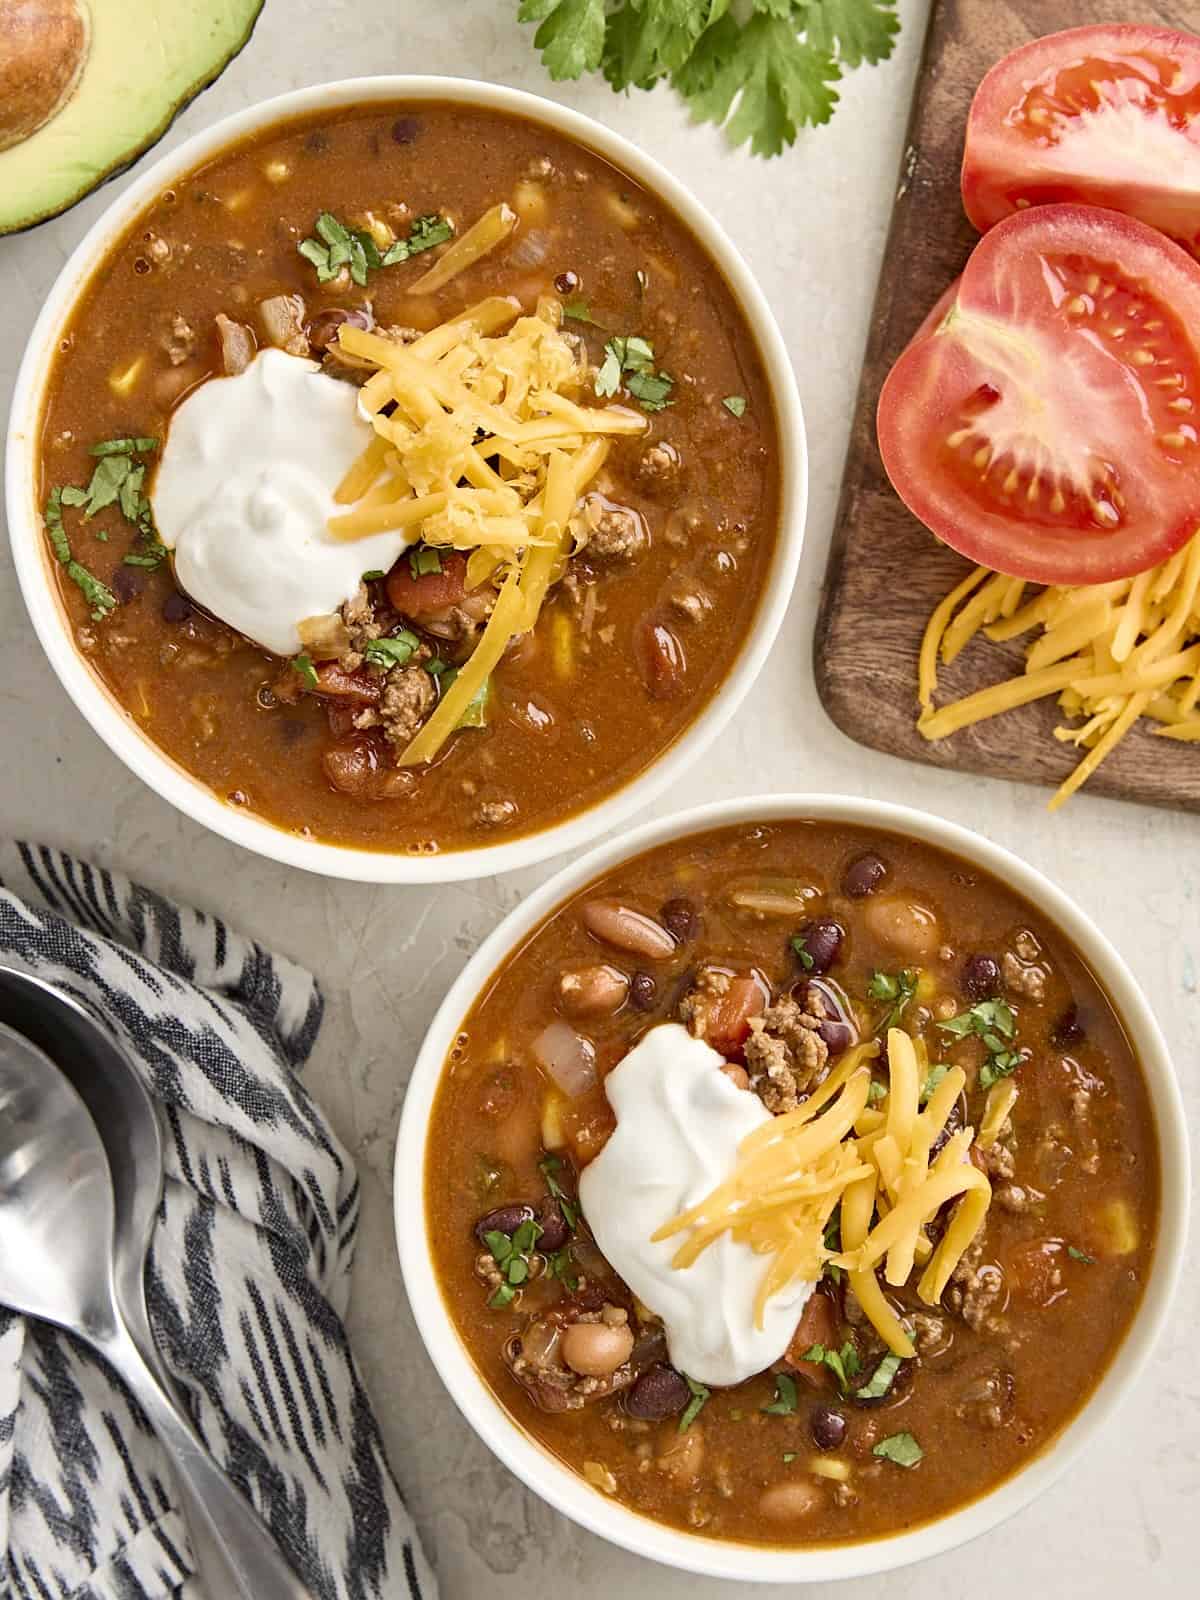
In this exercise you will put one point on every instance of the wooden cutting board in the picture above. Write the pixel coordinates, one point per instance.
(886, 572)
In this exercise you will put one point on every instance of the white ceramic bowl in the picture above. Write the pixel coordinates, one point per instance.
(714, 1557)
(120, 732)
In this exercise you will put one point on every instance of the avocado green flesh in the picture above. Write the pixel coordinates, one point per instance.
(148, 58)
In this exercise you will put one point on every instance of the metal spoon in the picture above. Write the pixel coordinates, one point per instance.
(63, 1259)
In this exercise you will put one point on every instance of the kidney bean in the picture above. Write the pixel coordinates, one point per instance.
(592, 991)
(658, 1393)
(643, 991)
(629, 930)
(128, 583)
(553, 1224)
(822, 943)
(176, 607)
(681, 917)
(504, 1219)
(982, 978)
(660, 658)
(827, 1426)
(864, 875)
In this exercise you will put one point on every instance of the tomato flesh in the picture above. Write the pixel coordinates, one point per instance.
(1043, 421)
(1108, 115)
(423, 594)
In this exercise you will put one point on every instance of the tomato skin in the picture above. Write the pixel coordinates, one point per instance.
(1107, 115)
(1041, 422)
(729, 1020)
(820, 1323)
(432, 591)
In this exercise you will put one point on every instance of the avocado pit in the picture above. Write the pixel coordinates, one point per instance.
(44, 45)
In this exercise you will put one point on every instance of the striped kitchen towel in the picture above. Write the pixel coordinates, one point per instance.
(248, 1280)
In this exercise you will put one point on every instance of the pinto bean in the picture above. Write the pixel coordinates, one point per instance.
(594, 1349)
(596, 991)
(788, 1502)
(908, 928)
(626, 929)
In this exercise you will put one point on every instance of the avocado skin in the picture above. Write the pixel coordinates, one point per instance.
(23, 210)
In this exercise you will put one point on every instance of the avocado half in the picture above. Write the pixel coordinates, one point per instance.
(87, 85)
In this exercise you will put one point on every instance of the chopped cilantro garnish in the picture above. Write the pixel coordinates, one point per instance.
(511, 1255)
(735, 404)
(789, 1455)
(303, 665)
(631, 360)
(876, 1092)
(896, 988)
(476, 713)
(337, 246)
(1080, 1255)
(993, 1021)
(423, 560)
(784, 1402)
(124, 447)
(695, 1405)
(560, 1265)
(843, 1363)
(901, 1448)
(548, 1166)
(100, 598)
(800, 946)
(761, 71)
(881, 1380)
(578, 310)
(375, 572)
(393, 651)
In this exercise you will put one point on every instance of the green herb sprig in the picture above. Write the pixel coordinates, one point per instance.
(336, 246)
(511, 1255)
(897, 990)
(629, 361)
(900, 1448)
(700, 1398)
(786, 1399)
(993, 1021)
(761, 71)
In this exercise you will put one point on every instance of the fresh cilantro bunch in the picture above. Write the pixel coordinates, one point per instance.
(761, 69)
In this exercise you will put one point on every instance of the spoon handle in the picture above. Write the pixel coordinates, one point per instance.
(236, 1556)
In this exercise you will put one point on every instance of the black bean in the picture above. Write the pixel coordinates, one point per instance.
(681, 917)
(176, 607)
(128, 583)
(982, 978)
(1069, 1028)
(405, 130)
(838, 1036)
(322, 328)
(827, 1426)
(643, 991)
(505, 1219)
(659, 1392)
(864, 875)
(555, 1231)
(822, 943)
(567, 282)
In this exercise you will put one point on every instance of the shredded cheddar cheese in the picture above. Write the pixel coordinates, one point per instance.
(833, 1149)
(482, 444)
(1112, 653)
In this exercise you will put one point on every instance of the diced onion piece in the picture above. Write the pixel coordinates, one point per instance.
(283, 323)
(325, 637)
(492, 228)
(568, 1057)
(554, 1134)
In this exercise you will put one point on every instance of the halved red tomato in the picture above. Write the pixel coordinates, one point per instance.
(1044, 419)
(1106, 115)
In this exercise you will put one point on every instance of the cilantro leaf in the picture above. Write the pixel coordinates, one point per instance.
(843, 1363)
(881, 1380)
(337, 246)
(1076, 1254)
(511, 1255)
(897, 988)
(578, 310)
(800, 945)
(100, 598)
(392, 652)
(308, 673)
(695, 1405)
(901, 1448)
(994, 1022)
(735, 404)
(785, 1400)
(571, 36)
(854, 31)
(548, 1166)
(630, 359)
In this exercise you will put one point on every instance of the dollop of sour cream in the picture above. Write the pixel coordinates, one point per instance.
(679, 1124)
(244, 490)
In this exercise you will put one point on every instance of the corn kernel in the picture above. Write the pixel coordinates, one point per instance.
(1120, 1227)
(554, 1135)
(122, 382)
(277, 171)
(830, 1467)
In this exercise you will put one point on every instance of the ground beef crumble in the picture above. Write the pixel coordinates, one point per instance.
(609, 531)
(785, 1055)
(409, 695)
(976, 1289)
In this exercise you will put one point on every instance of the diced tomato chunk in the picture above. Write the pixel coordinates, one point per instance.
(360, 688)
(416, 597)
(729, 1020)
(1035, 1271)
(819, 1324)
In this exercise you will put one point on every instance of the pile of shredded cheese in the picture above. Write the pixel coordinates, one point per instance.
(481, 444)
(794, 1170)
(1112, 652)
